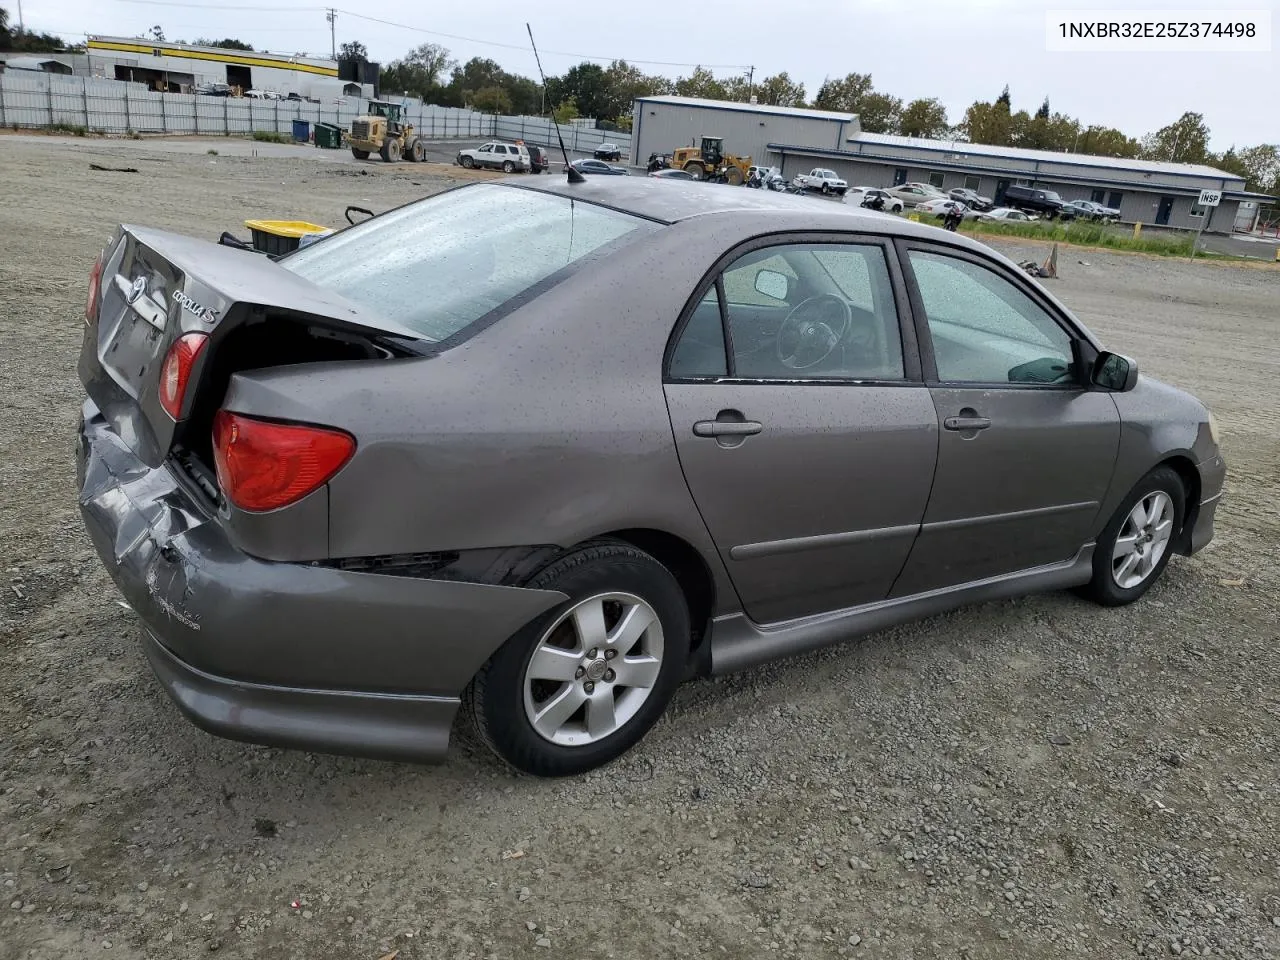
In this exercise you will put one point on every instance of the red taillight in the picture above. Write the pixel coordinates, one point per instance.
(264, 466)
(176, 371)
(95, 279)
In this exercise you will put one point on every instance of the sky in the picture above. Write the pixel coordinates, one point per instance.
(956, 50)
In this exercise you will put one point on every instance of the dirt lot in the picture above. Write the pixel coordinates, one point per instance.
(1038, 778)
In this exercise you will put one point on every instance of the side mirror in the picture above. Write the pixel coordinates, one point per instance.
(1111, 371)
(772, 284)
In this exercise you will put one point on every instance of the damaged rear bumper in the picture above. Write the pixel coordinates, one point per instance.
(284, 653)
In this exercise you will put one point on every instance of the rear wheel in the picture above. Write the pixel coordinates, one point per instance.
(1136, 545)
(360, 154)
(695, 170)
(582, 684)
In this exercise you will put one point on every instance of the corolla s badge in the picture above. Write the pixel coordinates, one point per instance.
(203, 312)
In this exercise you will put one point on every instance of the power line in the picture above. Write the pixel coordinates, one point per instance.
(433, 33)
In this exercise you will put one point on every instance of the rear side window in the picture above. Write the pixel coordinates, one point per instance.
(439, 265)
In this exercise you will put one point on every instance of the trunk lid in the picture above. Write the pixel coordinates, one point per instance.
(157, 286)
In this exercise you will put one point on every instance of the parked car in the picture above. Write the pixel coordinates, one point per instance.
(1045, 203)
(822, 180)
(335, 542)
(971, 198)
(764, 173)
(1092, 211)
(599, 167)
(914, 193)
(857, 195)
(1006, 213)
(608, 151)
(539, 159)
(940, 208)
(496, 155)
(672, 174)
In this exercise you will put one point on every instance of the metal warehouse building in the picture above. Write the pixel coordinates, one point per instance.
(181, 68)
(796, 140)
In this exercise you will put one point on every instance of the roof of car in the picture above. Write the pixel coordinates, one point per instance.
(645, 198)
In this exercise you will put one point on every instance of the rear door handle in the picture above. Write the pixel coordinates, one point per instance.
(967, 423)
(726, 428)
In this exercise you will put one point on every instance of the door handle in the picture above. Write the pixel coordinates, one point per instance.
(966, 423)
(726, 428)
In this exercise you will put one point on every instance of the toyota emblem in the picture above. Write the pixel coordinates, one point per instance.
(138, 289)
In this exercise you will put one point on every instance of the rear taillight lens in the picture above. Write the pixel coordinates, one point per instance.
(175, 374)
(264, 466)
(95, 282)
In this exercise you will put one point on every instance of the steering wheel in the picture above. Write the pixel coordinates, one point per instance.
(805, 338)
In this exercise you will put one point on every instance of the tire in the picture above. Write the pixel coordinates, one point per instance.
(503, 699)
(508, 166)
(360, 154)
(733, 177)
(468, 162)
(390, 151)
(417, 152)
(695, 170)
(826, 189)
(1107, 587)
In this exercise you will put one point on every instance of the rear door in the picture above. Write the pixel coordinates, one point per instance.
(805, 433)
(1025, 452)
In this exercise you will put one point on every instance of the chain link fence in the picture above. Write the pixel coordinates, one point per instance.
(91, 105)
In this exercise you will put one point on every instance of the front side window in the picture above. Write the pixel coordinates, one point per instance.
(440, 264)
(984, 329)
(805, 311)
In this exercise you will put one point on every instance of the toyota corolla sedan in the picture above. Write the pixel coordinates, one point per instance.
(539, 452)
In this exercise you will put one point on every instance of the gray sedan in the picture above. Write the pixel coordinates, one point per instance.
(541, 451)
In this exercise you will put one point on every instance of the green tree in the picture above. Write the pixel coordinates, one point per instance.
(780, 91)
(420, 73)
(923, 118)
(227, 44)
(880, 113)
(1186, 140)
(156, 33)
(1260, 166)
(843, 95)
(491, 100)
(353, 50)
(565, 112)
(988, 123)
(701, 83)
(1043, 112)
(1105, 142)
(1004, 98)
(587, 87)
(625, 82)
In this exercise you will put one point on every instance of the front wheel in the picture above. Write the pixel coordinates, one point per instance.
(468, 162)
(1135, 546)
(508, 166)
(582, 684)
(360, 154)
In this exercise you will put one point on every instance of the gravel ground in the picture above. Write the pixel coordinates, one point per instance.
(1036, 778)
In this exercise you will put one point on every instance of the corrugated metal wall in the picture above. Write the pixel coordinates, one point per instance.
(38, 100)
(662, 127)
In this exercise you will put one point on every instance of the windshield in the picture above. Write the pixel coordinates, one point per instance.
(440, 264)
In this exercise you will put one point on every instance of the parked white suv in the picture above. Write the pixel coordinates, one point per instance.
(507, 157)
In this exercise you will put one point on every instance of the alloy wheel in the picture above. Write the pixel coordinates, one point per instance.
(593, 669)
(1142, 540)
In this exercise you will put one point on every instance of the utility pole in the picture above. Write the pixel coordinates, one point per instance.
(751, 75)
(21, 28)
(332, 16)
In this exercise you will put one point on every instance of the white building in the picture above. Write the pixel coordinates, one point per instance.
(181, 68)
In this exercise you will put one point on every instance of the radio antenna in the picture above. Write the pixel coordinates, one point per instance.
(574, 175)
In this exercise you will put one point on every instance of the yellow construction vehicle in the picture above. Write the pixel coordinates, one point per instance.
(383, 131)
(710, 162)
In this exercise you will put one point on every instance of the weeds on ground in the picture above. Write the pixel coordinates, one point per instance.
(1085, 233)
(71, 128)
(212, 153)
(270, 136)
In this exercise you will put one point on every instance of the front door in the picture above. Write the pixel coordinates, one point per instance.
(1164, 210)
(806, 440)
(1025, 454)
(1001, 187)
(899, 176)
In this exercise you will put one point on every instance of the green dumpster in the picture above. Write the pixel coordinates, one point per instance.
(328, 136)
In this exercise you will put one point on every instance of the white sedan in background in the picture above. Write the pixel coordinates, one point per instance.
(856, 195)
(940, 208)
(1007, 213)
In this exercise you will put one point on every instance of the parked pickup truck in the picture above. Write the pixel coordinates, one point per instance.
(820, 178)
(1046, 203)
